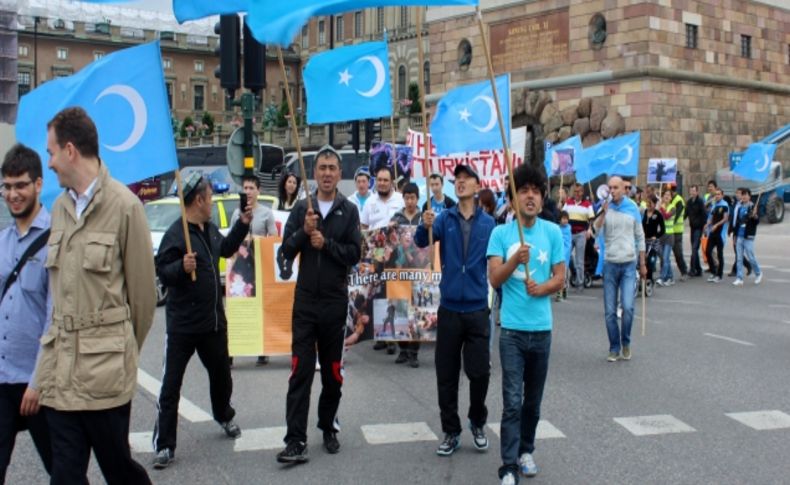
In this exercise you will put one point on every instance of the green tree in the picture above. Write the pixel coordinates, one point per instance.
(208, 123)
(282, 115)
(184, 124)
(414, 97)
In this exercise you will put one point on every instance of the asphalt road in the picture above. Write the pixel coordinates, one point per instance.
(710, 352)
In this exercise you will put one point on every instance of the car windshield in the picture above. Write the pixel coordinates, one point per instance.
(161, 216)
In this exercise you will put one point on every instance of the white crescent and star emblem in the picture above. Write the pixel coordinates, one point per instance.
(765, 165)
(543, 256)
(345, 77)
(380, 75)
(625, 161)
(139, 113)
(492, 114)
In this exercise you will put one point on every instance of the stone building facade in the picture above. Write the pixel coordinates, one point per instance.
(699, 78)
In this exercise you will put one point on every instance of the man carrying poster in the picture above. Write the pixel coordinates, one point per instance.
(327, 240)
(463, 324)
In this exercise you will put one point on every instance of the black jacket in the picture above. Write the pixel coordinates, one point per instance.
(695, 212)
(196, 306)
(323, 274)
(750, 222)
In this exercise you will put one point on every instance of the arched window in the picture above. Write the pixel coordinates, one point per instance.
(402, 94)
(426, 74)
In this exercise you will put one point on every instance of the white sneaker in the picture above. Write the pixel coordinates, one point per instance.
(758, 279)
(660, 282)
(737, 282)
(508, 479)
(527, 465)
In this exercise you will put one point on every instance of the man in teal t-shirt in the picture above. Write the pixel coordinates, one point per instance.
(528, 274)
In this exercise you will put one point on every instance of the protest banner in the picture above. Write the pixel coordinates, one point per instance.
(662, 170)
(489, 164)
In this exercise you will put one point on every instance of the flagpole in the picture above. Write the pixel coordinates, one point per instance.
(426, 164)
(757, 204)
(394, 146)
(644, 311)
(295, 130)
(180, 190)
(508, 157)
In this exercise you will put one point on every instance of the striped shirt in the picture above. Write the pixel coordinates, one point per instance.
(579, 214)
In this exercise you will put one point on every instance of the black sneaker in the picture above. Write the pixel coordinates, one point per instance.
(231, 429)
(390, 349)
(451, 443)
(380, 345)
(331, 444)
(413, 362)
(262, 360)
(163, 458)
(403, 356)
(294, 452)
(479, 437)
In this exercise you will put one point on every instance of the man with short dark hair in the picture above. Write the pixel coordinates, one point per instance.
(195, 314)
(101, 272)
(438, 201)
(24, 302)
(732, 230)
(362, 183)
(580, 213)
(380, 208)
(695, 212)
(716, 227)
(675, 226)
(327, 240)
(746, 221)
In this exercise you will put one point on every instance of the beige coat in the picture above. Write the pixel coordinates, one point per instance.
(101, 271)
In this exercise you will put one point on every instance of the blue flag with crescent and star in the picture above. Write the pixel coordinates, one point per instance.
(125, 95)
(756, 162)
(349, 83)
(466, 118)
(615, 156)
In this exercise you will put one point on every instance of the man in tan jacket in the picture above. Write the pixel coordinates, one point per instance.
(101, 273)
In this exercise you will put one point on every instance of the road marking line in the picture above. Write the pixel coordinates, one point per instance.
(380, 434)
(654, 425)
(545, 430)
(584, 297)
(141, 442)
(762, 420)
(260, 439)
(729, 339)
(186, 408)
(778, 280)
(781, 270)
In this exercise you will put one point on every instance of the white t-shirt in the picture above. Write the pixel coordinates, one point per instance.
(324, 207)
(377, 213)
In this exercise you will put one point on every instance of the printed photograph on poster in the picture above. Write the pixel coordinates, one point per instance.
(381, 156)
(562, 162)
(287, 270)
(241, 272)
(422, 324)
(425, 296)
(359, 312)
(662, 170)
(391, 319)
(393, 247)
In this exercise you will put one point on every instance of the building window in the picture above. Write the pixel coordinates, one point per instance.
(359, 26)
(404, 17)
(23, 82)
(321, 36)
(691, 36)
(167, 63)
(169, 87)
(198, 66)
(98, 55)
(426, 75)
(380, 20)
(746, 46)
(62, 53)
(305, 37)
(24, 50)
(402, 82)
(340, 26)
(200, 97)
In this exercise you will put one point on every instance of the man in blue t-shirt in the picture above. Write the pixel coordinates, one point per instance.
(529, 274)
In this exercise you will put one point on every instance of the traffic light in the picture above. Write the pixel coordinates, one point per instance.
(229, 51)
(254, 62)
(372, 132)
(354, 132)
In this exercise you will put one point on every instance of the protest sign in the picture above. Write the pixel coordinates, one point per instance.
(662, 170)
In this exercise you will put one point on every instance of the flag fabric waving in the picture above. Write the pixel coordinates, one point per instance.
(615, 156)
(125, 95)
(574, 143)
(466, 118)
(349, 83)
(278, 22)
(756, 162)
(196, 9)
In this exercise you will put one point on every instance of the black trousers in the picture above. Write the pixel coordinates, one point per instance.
(315, 324)
(466, 334)
(677, 250)
(212, 349)
(11, 422)
(75, 433)
(715, 243)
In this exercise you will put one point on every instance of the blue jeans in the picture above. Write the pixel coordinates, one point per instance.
(745, 248)
(666, 260)
(619, 277)
(525, 362)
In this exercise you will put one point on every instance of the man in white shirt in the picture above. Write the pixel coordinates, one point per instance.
(362, 182)
(381, 206)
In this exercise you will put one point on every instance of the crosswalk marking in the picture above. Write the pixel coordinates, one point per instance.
(545, 430)
(260, 439)
(379, 434)
(141, 442)
(762, 420)
(653, 425)
(186, 408)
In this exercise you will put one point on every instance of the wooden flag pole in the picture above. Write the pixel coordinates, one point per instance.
(592, 195)
(295, 131)
(180, 189)
(508, 157)
(559, 192)
(756, 209)
(394, 145)
(644, 303)
(426, 164)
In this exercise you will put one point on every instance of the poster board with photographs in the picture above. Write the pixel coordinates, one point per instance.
(662, 170)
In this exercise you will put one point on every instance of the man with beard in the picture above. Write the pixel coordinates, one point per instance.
(384, 204)
(24, 302)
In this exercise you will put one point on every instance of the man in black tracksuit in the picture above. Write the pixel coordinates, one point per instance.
(195, 313)
(697, 216)
(328, 241)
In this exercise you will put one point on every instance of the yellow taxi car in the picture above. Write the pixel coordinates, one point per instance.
(161, 214)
